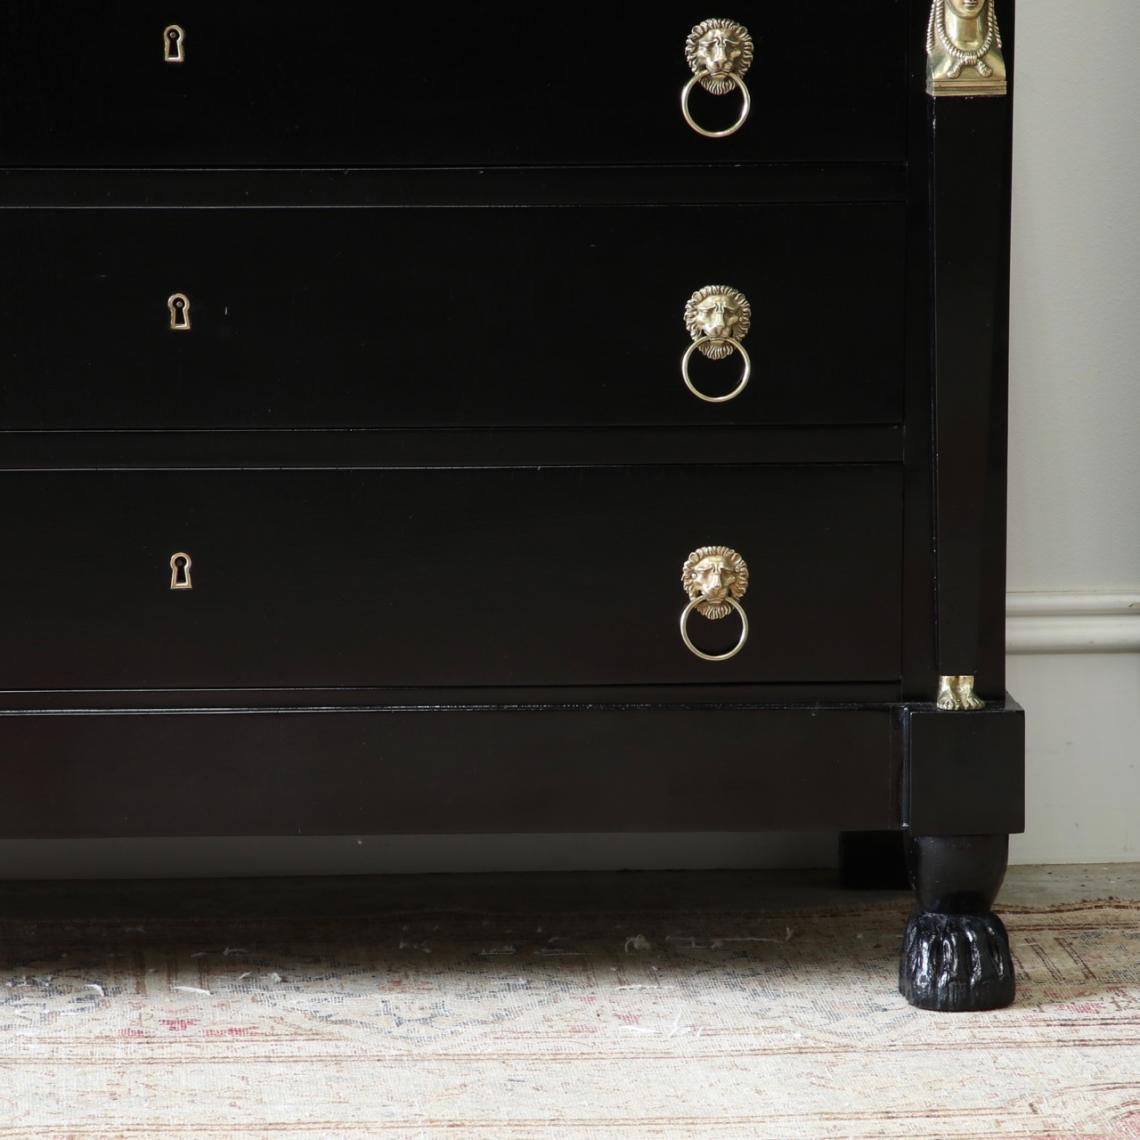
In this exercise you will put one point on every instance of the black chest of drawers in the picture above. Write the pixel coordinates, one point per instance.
(441, 434)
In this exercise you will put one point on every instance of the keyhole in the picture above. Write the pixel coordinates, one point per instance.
(179, 306)
(172, 43)
(180, 572)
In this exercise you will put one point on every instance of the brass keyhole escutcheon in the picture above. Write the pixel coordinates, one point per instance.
(180, 564)
(178, 304)
(173, 44)
(715, 578)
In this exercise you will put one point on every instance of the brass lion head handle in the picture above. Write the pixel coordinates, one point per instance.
(719, 54)
(717, 318)
(715, 578)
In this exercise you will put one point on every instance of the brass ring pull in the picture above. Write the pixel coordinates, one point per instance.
(718, 53)
(742, 118)
(717, 318)
(715, 578)
(714, 656)
(745, 376)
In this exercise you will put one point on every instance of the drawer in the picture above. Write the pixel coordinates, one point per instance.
(261, 84)
(494, 576)
(434, 317)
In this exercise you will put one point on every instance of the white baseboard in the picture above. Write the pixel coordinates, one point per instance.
(1085, 622)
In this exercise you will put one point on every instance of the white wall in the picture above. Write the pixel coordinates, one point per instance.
(1074, 526)
(1075, 426)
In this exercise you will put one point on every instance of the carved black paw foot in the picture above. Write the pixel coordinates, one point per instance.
(956, 963)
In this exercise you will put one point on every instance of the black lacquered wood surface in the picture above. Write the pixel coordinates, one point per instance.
(427, 441)
(438, 317)
(604, 768)
(356, 84)
(552, 576)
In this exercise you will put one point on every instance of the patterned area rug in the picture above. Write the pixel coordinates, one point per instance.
(561, 1026)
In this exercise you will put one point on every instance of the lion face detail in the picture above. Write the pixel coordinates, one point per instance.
(720, 47)
(717, 312)
(714, 574)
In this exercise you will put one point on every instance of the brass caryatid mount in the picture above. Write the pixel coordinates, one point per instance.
(956, 694)
(963, 48)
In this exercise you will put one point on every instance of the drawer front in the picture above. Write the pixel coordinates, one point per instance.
(439, 771)
(389, 317)
(508, 576)
(261, 84)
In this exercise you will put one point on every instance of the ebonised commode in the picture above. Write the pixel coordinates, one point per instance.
(349, 464)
